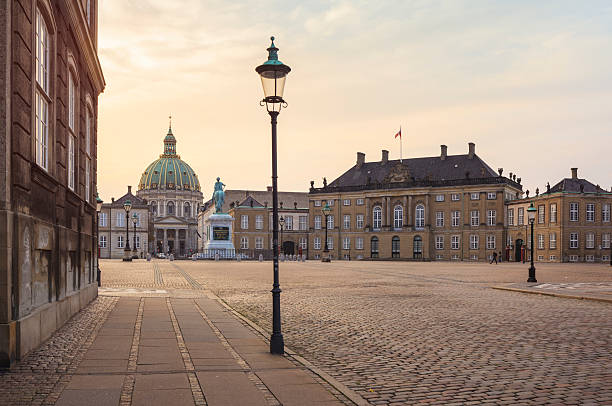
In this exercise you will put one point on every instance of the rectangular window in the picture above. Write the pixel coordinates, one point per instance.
(552, 241)
(475, 196)
(573, 258)
(439, 198)
(439, 242)
(102, 219)
(359, 221)
(42, 130)
(71, 101)
(540, 241)
(491, 217)
(589, 258)
(475, 218)
(120, 243)
(259, 222)
(439, 219)
(590, 240)
(491, 195)
(258, 243)
(540, 257)
(87, 169)
(553, 213)
(288, 223)
(346, 243)
(510, 217)
(330, 242)
(455, 218)
(541, 214)
(553, 257)
(573, 211)
(346, 224)
(573, 240)
(454, 242)
(317, 243)
(359, 202)
(521, 216)
(120, 219)
(317, 222)
(473, 242)
(455, 197)
(330, 222)
(490, 242)
(71, 159)
(42, 91)
(605, 240)
(244, 243)
(359, 243)
(303, 243)
(330, 202)
(590, 212)
(346, 202)
(605, 213)
(244, 222)
(303, 223)
(317, 203)
(87, 131)
(102, 243)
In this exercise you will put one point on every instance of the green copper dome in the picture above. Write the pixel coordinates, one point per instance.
(169, 171)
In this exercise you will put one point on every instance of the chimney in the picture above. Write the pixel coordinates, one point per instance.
(574, 173)
(443, 149)
(112, 200)
(385, 156)
(129, 190)
(471, 150)
(269, 188)
(295, 205)
(360, 159)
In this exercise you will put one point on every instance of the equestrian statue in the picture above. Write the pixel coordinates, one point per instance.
(218, 195)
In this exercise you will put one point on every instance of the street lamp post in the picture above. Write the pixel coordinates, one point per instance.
(98, 210)
(281, 222)
(273, 74)
(326, 210)
(531, 215)
(134, 252)
(127, 256)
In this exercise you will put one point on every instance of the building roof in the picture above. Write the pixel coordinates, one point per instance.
(261, 198)
(575, 185)
(136, 201)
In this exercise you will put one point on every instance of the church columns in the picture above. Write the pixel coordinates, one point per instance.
(165, 240)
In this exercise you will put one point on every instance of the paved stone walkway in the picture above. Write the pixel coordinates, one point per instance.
(600, 291)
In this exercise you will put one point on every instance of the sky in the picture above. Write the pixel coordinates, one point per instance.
(530, 83)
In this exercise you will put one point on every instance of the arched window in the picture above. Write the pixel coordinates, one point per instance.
(417, 245)
(187, 210)
(170, 208)
(374, 247)
(377, 217)
(154, 208)
(398, 217)
(420, 216)
(395, 247)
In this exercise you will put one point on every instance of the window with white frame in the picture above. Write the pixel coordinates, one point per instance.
(359, 221)
(288, 223)
(573, 211)
(87, 175)
(346, 202)
(552, 241)
(573, 240)
(398, 217)
(103, 219)
(377, 217)
(439, 219)
(317, 222)
(71, 159)
(589, 258)
(137, 241)
(244, 222)
(455, 218)
(71, 101)
(473, 242)
(419, 218)
(120, 243)
(316, 243)
(244, 243)
(553, 257)
(455, 197)
(439, 198)
(330, 202)
(490, 242)
(521, 216)
(259, 222)
(540, 257)
(303, 243)
(330, 242)
(474, 196)
(303, 223)
(590, 212)
(553, 213)
(491, 217)
(346, 223)
(605, 240)
(510, 217)
(120, 219)
(491, 195)
(42, 91)
(102, 243)
(573, 258)
(317, 203)
(475, 218)
(259, 243)
(359, 202)
(88, 131)
(605, 213)
(439, 242)
(330, 222)
(346, 243)
(590, 240)
(359, 243)
(540, 241)
(541, 214)
(454, 242)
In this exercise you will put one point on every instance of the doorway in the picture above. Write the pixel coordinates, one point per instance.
(288, 248)
(518, 250)
(417, 250)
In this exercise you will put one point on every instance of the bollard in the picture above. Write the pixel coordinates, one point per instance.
(260, 257)
(216, 256)
(238, 257)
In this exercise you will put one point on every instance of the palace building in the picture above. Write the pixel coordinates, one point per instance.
(172, 190)
(446, 207)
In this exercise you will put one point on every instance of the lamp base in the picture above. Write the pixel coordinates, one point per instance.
(326, 259)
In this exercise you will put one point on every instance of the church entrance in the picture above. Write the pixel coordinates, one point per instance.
(288, 248)
(182, 248)
(171, 246)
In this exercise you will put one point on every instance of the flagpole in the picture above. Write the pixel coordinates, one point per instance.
(401, 144)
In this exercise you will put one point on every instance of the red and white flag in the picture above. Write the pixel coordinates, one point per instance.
(399, 133)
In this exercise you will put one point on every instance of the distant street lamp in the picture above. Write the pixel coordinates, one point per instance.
(98, 210)
(281, 222)
(273, 74)
(531, 211)
(127, 255)
(134, 220)
(326, 210)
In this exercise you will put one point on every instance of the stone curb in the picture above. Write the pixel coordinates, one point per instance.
(340, 387)
(560, 295)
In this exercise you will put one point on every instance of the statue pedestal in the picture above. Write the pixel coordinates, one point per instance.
(219, 229)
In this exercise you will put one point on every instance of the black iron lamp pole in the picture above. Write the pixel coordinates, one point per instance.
(326, 210)
(532, 271)
(134, 220)
(273, 74)
(126, 251)
(281, 222)
(98, 209)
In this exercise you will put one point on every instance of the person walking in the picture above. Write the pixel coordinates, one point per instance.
(494, 258)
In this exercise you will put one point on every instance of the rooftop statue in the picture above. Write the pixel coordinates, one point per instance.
(218, 195)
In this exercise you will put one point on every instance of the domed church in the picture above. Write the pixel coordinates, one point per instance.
(173, 193)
